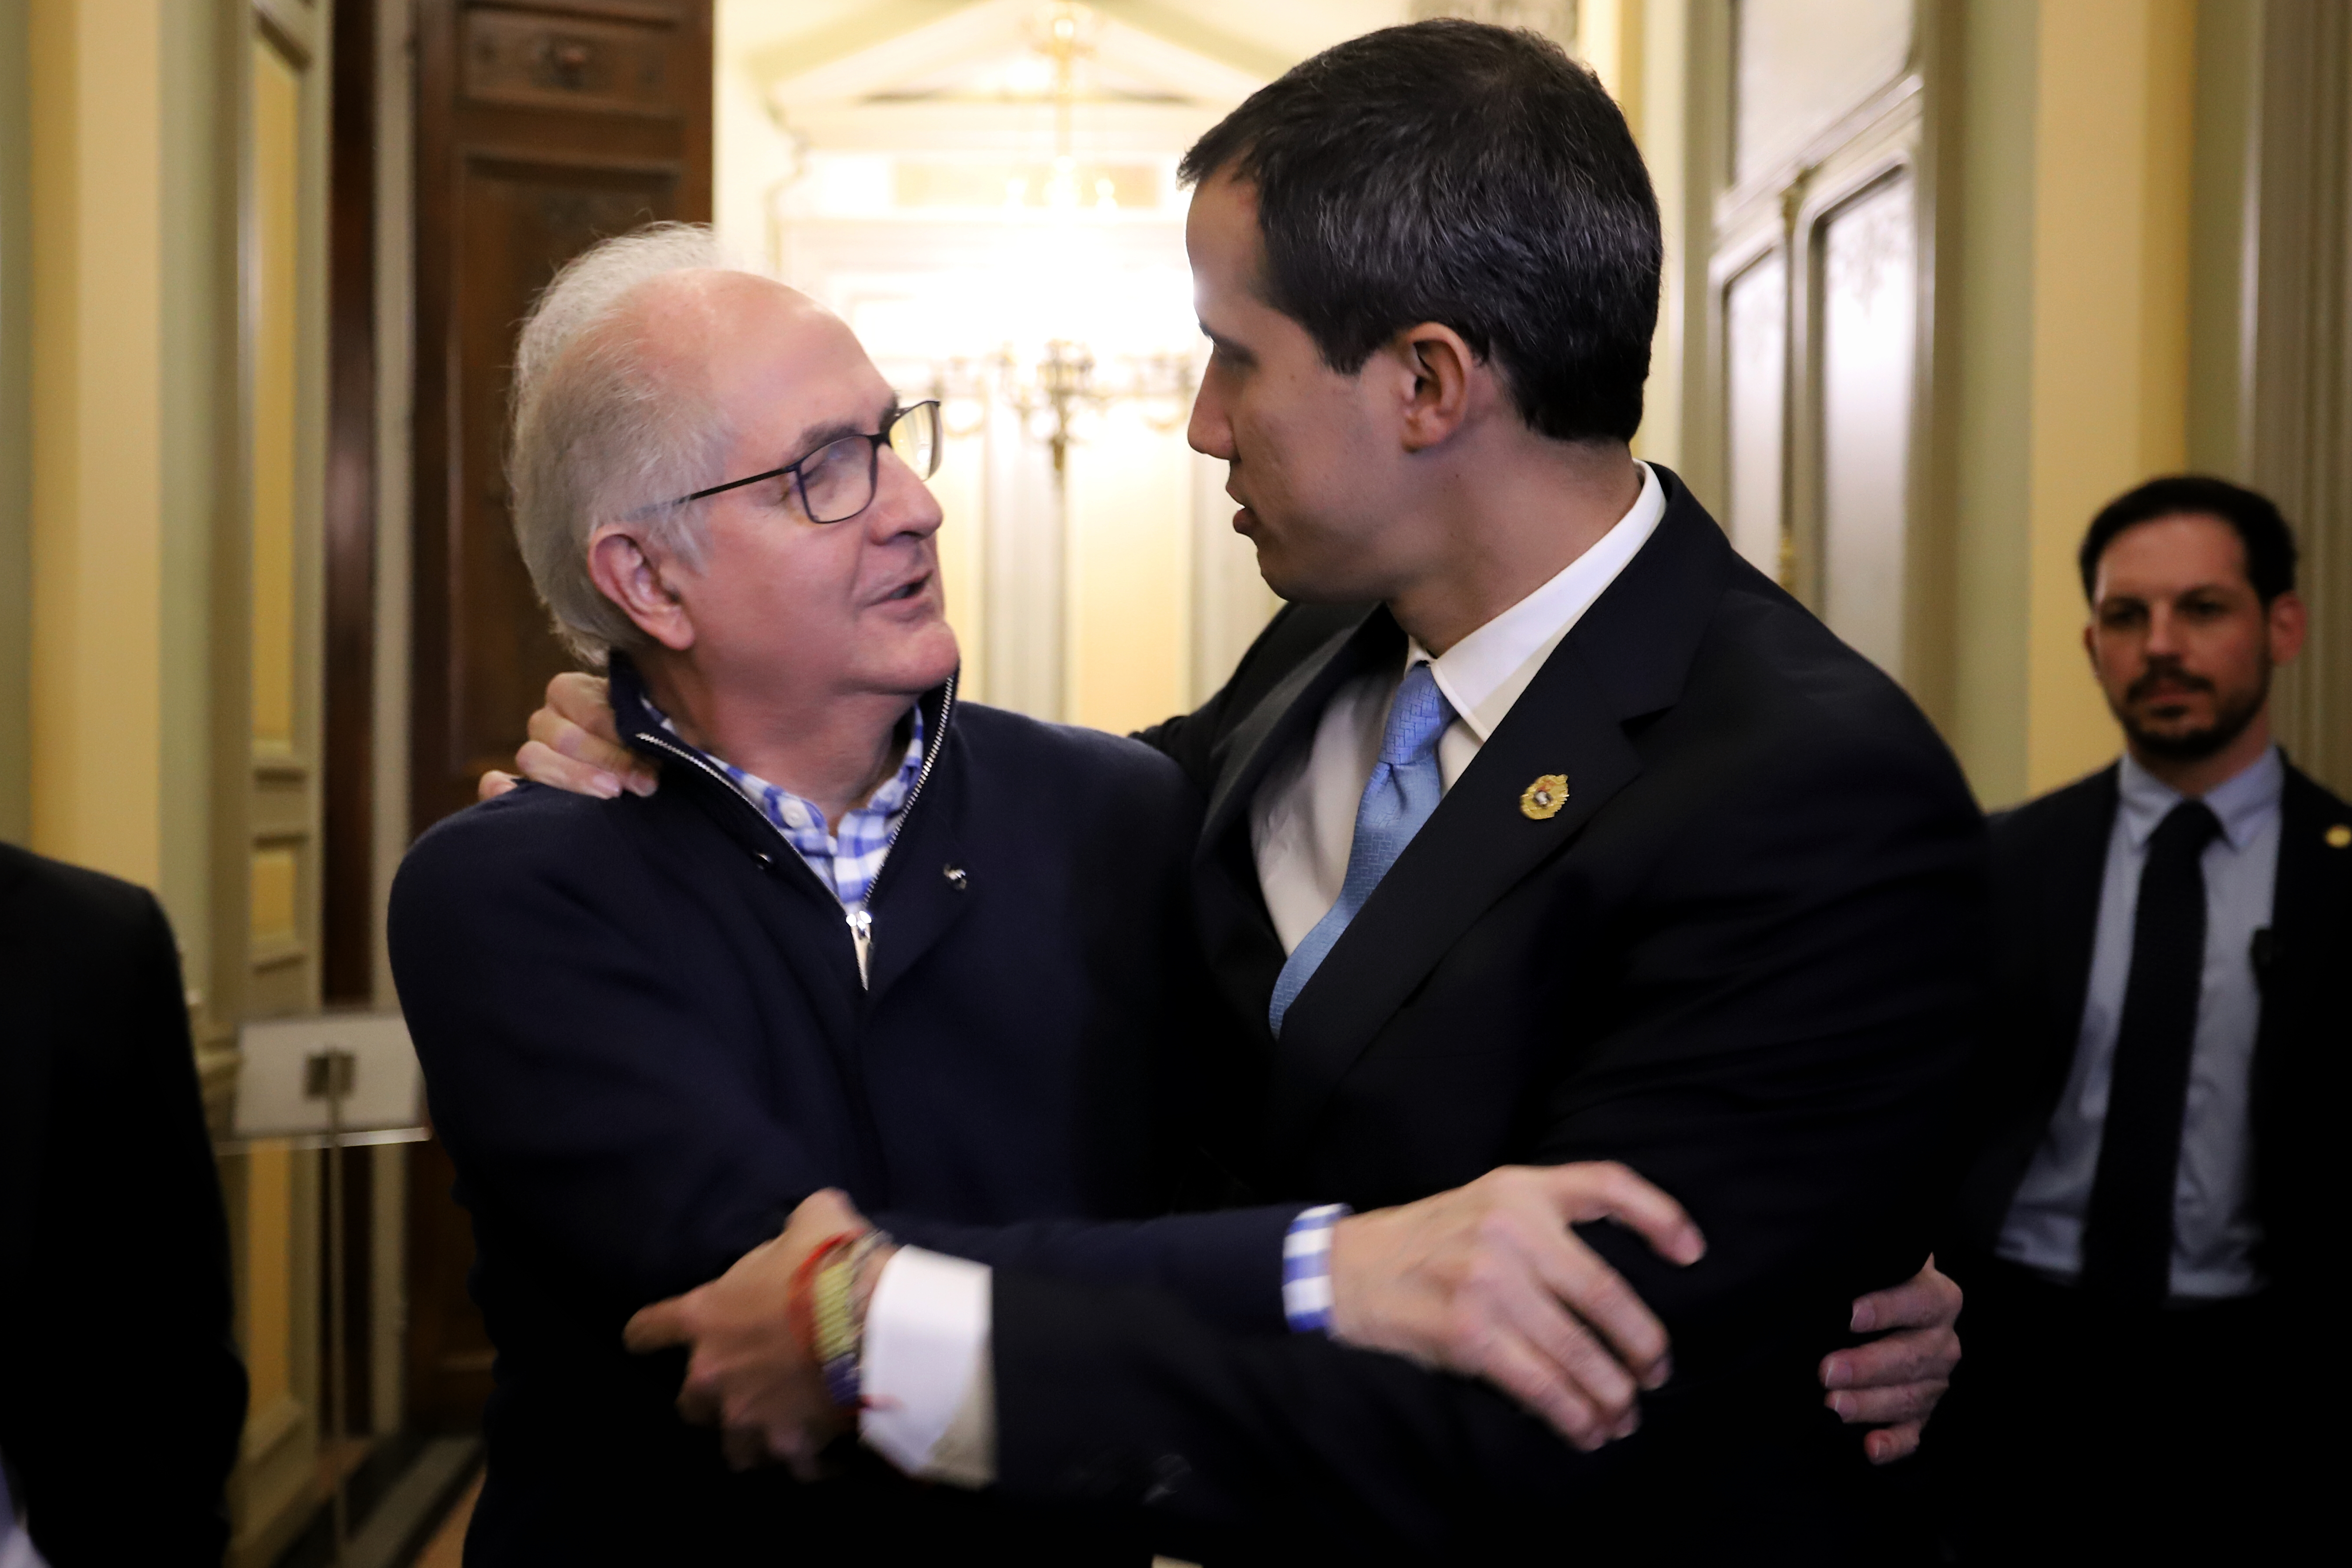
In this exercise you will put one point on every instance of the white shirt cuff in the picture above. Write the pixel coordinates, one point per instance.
(1306, 1268)
(929, 1386)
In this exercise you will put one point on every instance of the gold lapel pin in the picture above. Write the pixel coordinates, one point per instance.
(1541, 800)
(2339, 837)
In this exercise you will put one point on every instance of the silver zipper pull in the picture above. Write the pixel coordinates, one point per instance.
(861, 933)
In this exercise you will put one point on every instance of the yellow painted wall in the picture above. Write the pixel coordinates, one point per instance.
(15, 430)
(1129, 576)
(137, 690)
(961, 488)
(2109, 382)
(2067, 311)
(97, 777)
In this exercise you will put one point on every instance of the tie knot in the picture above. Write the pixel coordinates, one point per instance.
(1417, 717)
(2185, 831)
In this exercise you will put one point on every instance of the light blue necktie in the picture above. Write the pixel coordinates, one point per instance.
(1403, 790)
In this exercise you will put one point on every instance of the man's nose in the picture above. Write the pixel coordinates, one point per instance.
(902, 502)
(2163, 632)
(1210, 432)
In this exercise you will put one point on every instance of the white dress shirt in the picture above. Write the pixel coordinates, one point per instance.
(2213, 1229)
(926, 1369)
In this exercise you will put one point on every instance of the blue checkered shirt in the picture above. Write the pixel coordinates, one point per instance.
(846, 859)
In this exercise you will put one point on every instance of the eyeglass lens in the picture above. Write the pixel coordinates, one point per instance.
(838, 481)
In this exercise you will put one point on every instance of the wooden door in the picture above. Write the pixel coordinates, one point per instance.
(541, 127)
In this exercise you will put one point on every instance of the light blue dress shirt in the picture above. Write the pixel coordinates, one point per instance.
(2213, 1231)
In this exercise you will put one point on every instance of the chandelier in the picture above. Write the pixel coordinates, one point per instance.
(1050, 391)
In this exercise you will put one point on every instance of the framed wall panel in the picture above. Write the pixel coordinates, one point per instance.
(1811, 423)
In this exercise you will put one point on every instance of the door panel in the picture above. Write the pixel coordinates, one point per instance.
(541, 127)
(1869, 283)
(517, 224)
(1756, 379)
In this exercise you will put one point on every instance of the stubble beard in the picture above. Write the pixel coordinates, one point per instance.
(2229, 720)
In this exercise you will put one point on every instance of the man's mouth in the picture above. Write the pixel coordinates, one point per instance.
(2166, 686)
(907, 590)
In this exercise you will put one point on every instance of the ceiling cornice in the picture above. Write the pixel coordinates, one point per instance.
(874, 24)
(1173, 26)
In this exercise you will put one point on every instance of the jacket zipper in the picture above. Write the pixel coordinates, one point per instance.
(860, 920)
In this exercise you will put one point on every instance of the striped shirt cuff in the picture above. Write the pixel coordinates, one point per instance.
(1306, 1268)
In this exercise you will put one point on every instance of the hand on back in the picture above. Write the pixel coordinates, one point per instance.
(575, 746)
(1489, 1280)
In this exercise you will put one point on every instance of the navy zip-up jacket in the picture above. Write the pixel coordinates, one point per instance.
(646, 1039)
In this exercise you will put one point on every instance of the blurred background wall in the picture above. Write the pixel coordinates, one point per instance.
(1941, 277)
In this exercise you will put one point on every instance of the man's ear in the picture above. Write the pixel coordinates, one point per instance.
(1443, 370)
(2288, 622)
(633, 576)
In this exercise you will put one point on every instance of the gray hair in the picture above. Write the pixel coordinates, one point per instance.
(599, 435)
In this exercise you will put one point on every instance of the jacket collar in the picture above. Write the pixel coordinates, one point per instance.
(1289, 711)
(633, 716)
(643, 732)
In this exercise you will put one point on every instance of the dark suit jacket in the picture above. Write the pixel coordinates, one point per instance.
(121, 1399)
(1742, 960)
(646, 1040)
(2049, 860)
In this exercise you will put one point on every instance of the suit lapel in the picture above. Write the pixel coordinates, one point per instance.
(2073, 884)
(1290, 710)
(1237, 932)
(2308, 898)
(1628, 656)
(1475, 848)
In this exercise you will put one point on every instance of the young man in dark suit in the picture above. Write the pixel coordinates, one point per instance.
(1540, 828)
(2155, 1211)
(122, 1397)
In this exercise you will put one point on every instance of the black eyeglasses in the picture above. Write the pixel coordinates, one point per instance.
(836, 481)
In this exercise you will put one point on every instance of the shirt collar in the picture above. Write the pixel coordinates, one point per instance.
(1483, 675)
(777, 805)
(2242, 802)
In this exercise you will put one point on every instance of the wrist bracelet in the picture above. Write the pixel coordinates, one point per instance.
(817, 1307)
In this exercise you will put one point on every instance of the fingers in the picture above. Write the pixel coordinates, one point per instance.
(661, 1325)
(1915, 1355)
(570, 755)
(494, 784)
(1890, 1443)
(586, 701)
(1575, 1356)
(1606, 1190)
(577, 722)
(1599, 1295)
(1903, 1402)
(542, 763)
(1927, 1300)
(700, 1399)
(746, 1447)
(1534, 1380)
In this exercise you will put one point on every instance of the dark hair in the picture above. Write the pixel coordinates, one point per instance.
(1451, 172)
(2269, 545)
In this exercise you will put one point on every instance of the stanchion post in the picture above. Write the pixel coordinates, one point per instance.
(328, 1075)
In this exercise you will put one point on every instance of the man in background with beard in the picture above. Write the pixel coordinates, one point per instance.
(2154, 1208)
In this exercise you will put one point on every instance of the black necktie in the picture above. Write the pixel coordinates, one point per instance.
(2127, 1236)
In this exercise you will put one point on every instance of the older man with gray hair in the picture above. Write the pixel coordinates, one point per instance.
(869, 937)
